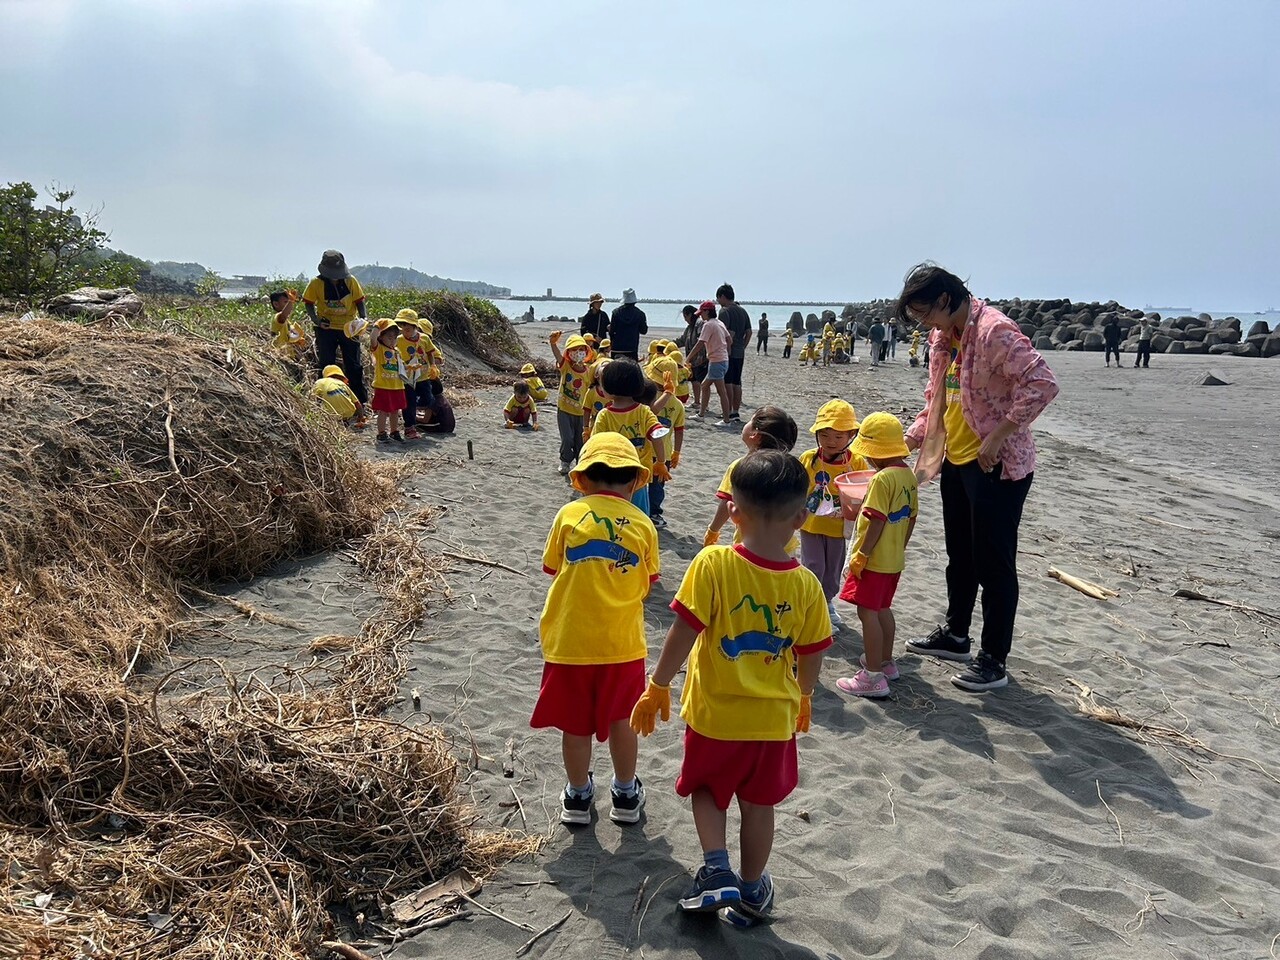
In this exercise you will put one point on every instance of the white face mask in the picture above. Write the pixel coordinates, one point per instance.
(576, 355)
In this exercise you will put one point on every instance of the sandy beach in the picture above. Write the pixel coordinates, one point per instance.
(935, 823)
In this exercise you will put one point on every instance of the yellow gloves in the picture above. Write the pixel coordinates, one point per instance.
(660, 472)
(857, 563)
(554, 338)
(710, 538)
(655, 700)
(511, 424)
(675, 459)
(805, 714)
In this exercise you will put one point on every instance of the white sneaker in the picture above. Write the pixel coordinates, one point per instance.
(836, 619)
(724, 423)
(564, 468)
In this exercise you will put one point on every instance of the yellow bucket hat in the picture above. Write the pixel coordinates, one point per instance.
(655, 347)
(673, 353)
(528, 370)
(611, 449)
(606, 344)
(385, 324)
(408, 316)
(590, 338)
(663, 364)
(576, 342)
(835, 415)
(426, 326)
(881, 438)
(671, 350)
(355, 326)
(333, 370)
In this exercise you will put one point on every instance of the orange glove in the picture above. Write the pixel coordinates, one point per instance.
(710, 538)
(668, 384)
(511, 424)
(534, 425)
(554, 338)
(806, 713)
(675, 459)
(586, 434)
(660, 472)
(857, 563)
(654, 701)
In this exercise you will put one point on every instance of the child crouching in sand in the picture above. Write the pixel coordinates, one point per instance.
(603, 553)
(753, 624)
(885, 523)
(520, 409)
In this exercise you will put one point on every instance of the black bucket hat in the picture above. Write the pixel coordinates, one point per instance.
(333, 266)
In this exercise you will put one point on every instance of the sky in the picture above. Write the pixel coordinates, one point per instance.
(1092, 149)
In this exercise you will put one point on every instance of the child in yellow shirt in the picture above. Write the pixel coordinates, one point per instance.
(752, 624)
(788, 344)
(683, 388)
(822, 543)
(388, 380)
(670, 413)
(885, 524)
(770, 428)
(575, 379)
(332, 390)
(418, 356)
(537, 389)
(520, 409)
(290, 338)
(603, 555)
(594, 400)
(622, 383)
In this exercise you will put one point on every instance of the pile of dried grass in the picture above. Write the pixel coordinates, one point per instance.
(480, 330)
(223, 824)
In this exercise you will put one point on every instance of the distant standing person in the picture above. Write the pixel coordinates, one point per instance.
(332, 300)
(738, 322)
(1111, 339)
(893, 338)
(876, 336)
(595, 321)
(626, 325)
(986, 385)
(1146, 329)
(762, 334)
(687, 341)
(712, 349)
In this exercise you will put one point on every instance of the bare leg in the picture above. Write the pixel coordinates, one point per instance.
(710, 821)
(756, 839)
(577, 758)
(735, 396)
(725, 407)
(623, 747)
(888, 629)
(872, 638)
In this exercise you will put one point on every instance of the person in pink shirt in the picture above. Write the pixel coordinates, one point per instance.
(714, 341)
(986, 385)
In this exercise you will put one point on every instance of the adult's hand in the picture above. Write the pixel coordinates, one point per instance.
(912, 444)
(992, 444)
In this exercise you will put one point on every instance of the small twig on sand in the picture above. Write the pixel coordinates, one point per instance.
(248, 610)
(892, 813)
(645, 912)
(1119, 828)
(635, 909)
(966, 936)
(1188, 594)
(345, 950)
(481, 560)
(168, 432)
(1170, 523)
(495, 913)
(520, 805)
(1272, 951)
(444, 921)
(1234, 909)
(528, 944)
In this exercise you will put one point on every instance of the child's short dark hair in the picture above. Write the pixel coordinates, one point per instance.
(623, 378)
(521, 388)
(649, 393)
(617, 476)
(770, 484)
(278, 295)
(776, 428)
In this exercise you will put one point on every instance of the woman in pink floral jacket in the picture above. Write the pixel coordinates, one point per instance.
(987, 383)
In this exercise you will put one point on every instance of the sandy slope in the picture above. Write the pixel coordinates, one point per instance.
(937, 823)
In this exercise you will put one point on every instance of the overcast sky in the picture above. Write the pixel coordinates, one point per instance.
(803, 150)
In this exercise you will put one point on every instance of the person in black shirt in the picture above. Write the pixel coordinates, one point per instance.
(626, 325)
(738, 321)
(595, 321)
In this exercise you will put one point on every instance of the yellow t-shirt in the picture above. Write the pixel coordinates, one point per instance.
(635, 422)
(516, 404)
(962, 442)
(333, 314)
(537, 389)
(791, 337)
(337, 396)
(573, 387)
(825, 517)
(754, 618)
(891, 497)
(388, 371)
(419, 358)
(673, 418)
(726, 493)
(603, 553)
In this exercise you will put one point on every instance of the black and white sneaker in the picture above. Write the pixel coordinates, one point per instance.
(627, 806)
(942, 643)
(577, 810)
(984, 673)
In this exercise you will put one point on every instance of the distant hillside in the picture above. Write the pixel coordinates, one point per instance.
(374, 275)
(188, 272)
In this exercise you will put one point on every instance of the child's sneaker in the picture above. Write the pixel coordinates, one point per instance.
(627, 806)
(659, 521)
(411, 434)
(564, 468)
(861, 685)
(383, 438)
(575, 809)
(942, 643)
(890, 668)
(395, 435)
(751, 911)
(712, 889)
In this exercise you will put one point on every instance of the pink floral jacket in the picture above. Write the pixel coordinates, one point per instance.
(1002, 377)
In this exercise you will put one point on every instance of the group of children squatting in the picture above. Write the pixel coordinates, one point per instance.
(750, 621)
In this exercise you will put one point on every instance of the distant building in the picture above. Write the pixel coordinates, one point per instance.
(549, 293)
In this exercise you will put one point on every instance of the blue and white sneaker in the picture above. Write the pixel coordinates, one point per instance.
(749, 912)
(577, 810)
(713, 888)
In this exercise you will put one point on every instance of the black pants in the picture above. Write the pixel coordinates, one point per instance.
(1144, 353)
(884, 350)
(327, 344)
(762, 342)
(980, 517)
(1113, 348)
(417, 395)
(786, 352)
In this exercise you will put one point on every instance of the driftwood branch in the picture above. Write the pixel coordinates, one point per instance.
(1084, 586)
(528, 944)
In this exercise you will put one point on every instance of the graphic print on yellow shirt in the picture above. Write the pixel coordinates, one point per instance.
(823, 503)
(388, 371)
(726, 493)
(753, 617)
(635, 422)
(891, 497)
(336, 395)
(416, 357)
(962, 442)
(573, 387)
(335, 301)
(603, 553)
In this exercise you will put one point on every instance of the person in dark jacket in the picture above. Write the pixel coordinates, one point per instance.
(595, 321)
(625, 327)
(1111, 339)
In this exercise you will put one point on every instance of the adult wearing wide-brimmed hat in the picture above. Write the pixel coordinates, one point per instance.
(626, 325)
(595, 321)
(335, 303)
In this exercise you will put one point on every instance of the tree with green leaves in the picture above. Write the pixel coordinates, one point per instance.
(45, 252)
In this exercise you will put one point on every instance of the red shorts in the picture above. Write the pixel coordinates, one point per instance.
(872, 590)
(389, 401)
(763, 772)
(520, 416)
(583, 699)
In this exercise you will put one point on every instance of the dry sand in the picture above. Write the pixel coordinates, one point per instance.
(936, 823)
